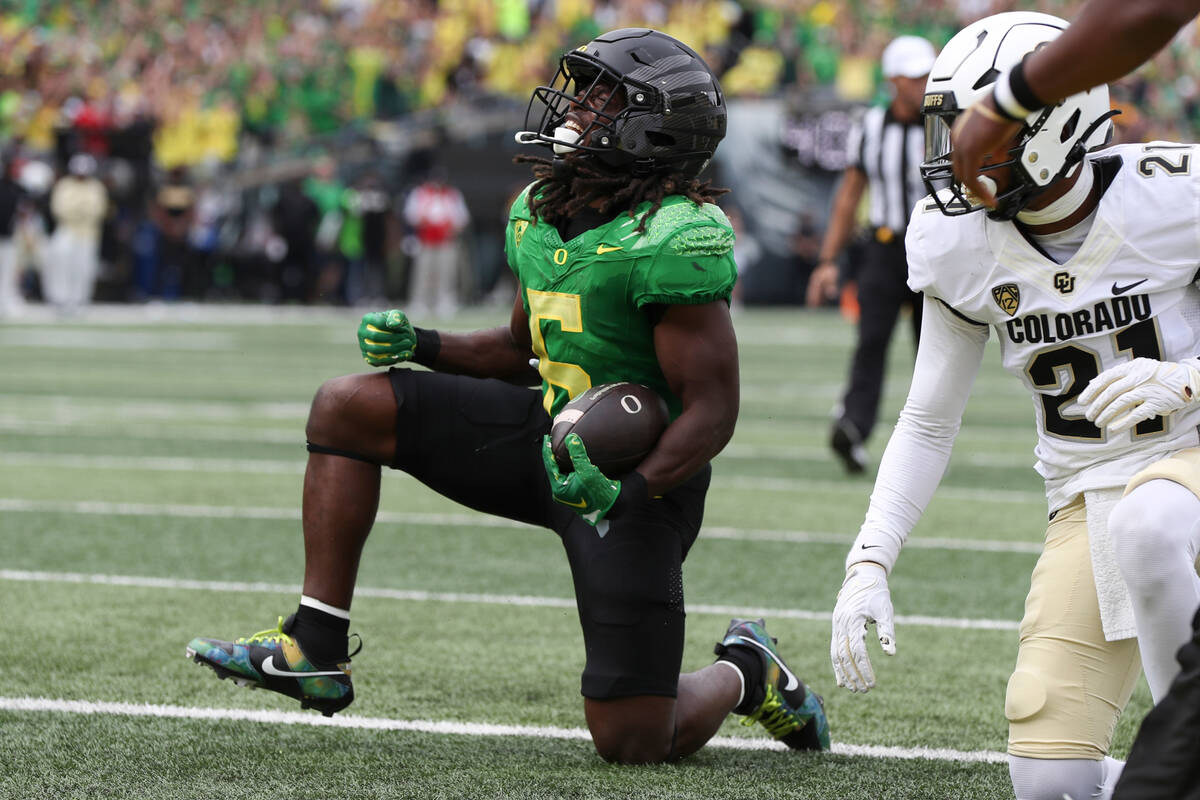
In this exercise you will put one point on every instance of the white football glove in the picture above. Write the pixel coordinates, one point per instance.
(864, 598)
(1131, 392)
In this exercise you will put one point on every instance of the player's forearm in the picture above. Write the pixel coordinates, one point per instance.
(691, 441)
(841, 218)
(1107, 40)
(918, 451)
(490, 353)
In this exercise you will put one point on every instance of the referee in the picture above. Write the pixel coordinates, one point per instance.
(886, 149)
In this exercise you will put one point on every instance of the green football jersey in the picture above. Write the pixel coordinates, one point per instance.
(588, 298)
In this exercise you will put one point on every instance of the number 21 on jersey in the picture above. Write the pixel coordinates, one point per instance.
(1081, 365)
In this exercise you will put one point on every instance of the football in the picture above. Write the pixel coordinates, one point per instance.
(619, 424)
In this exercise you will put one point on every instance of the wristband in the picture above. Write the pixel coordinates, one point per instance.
(1021, 89)
(429, 344)
(1013, 96)
(879, 547)
(633, 494)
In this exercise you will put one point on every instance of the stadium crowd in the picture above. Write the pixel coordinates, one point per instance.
(208, 99)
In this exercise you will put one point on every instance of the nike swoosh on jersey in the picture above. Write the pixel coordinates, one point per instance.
(792, 681)
(602, 249)
(269, 667)
(1123, 289)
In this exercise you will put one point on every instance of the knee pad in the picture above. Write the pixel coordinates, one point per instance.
(1025, 696)
(1056, 714)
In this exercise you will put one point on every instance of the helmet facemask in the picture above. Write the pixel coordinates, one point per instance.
(580, 82)
(664, 111)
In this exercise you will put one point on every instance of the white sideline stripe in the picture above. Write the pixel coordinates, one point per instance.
(486, 521)
(296, 467)
(789, 453)
(445, 727)
(157, 341)
(418, 595)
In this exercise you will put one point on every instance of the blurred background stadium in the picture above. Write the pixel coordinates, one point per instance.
(261, 151)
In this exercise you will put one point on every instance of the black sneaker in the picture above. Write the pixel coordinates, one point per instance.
(273, 660)
(848, 444)
(790, 711)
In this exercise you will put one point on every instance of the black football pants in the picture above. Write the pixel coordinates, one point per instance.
(882, 292)
(479, 442)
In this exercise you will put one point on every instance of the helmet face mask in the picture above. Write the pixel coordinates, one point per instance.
(1050, 143)
(1011, 185)
(648, 103)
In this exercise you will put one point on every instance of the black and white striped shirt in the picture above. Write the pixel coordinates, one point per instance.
(890, 153)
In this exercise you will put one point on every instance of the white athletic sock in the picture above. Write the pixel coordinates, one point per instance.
(312, 602)
(1052, 779)
(741, 681)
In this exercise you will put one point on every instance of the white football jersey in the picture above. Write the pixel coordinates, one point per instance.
(1129, 291)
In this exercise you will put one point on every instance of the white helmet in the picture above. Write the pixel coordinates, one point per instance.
(1052, 140)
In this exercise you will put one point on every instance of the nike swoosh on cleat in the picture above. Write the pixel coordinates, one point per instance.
(1123, 289)
(792, 681)
(269, 667)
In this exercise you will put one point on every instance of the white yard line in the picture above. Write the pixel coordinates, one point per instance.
(413, 595)
(482, 521)
(449, 728)
(296, 466)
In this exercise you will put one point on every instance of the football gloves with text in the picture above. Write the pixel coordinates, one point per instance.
(1133, 391)
(864, 598)
(587, 490)
(386, 337)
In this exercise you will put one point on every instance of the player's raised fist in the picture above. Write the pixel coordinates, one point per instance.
(386, 337)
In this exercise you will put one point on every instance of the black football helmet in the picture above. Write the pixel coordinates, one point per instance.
(664, 111)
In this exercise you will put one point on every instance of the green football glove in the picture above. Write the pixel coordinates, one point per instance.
(587, 490)
(386, 337)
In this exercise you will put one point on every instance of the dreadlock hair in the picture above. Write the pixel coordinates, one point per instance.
(564, 187)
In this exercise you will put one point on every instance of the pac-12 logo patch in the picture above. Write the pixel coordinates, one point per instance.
(519, 231)
(1008, 297)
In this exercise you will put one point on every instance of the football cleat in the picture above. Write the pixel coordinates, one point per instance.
(847, 443)
(781, 703)
(273, 660)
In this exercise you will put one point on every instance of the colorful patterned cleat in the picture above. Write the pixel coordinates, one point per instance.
(790, 711)
(273, 660)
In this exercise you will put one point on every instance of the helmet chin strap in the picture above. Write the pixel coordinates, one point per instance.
(1064, 206)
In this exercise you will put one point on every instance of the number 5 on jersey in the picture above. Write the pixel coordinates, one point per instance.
(565, 309)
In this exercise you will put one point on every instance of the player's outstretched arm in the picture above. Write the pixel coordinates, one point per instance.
(913, 463)
(388, 337)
